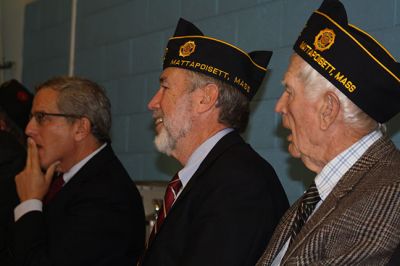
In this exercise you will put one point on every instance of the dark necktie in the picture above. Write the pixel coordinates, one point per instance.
(170, 196)
(55, 186)
(306, 207)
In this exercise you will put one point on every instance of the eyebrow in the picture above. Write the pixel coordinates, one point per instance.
(164, 81)
(41, 110)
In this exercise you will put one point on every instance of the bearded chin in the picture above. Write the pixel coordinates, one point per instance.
(164, 142)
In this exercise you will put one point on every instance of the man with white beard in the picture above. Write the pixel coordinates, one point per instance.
(222, 207)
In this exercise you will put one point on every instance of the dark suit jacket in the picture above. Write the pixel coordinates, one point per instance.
(96, 219)
(12, 161)
(395, 259)
(357, 224)
(226, 213)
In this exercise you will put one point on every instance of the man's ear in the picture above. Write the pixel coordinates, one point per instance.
(83, 127)
(329, 110)
(207, 97)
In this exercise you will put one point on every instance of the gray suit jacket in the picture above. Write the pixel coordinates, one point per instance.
(357, 224)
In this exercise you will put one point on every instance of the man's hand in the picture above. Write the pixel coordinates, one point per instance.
(31, 182)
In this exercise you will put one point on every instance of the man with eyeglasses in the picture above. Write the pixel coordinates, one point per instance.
(78, 204)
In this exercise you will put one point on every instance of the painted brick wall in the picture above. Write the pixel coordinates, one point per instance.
(120, 43)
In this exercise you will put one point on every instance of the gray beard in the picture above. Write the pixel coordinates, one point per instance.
(164, 142)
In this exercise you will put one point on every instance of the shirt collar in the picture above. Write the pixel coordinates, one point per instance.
(198, 156)
(330, 175)
(74, 169)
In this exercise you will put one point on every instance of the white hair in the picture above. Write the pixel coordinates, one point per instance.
(316, 85)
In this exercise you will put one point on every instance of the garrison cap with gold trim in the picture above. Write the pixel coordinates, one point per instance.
(190, 49)
(16, 102)
(351, 60)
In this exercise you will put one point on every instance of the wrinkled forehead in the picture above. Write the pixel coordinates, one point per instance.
(296, 62)
(294, 69)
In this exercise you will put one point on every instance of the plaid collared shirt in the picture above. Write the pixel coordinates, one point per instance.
(330, 175)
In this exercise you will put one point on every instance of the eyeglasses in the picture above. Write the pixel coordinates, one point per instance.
(40, 117)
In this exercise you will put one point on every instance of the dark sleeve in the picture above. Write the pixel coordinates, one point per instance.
(8, 201)
(12, 161)
(101, 224)
(29, 234)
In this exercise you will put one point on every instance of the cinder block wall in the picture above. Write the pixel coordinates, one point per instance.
(120, 43)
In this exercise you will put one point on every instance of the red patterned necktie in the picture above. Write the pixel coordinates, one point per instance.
(56, 185)
(170, 196)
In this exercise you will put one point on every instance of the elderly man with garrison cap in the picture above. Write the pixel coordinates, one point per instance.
(223, 206)
(341, 85)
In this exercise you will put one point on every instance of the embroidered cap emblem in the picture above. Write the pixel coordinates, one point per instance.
(324, 39)
(187, 49)
(22, 96)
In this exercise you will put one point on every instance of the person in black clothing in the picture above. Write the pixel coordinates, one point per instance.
(78, 205)
(15, 105)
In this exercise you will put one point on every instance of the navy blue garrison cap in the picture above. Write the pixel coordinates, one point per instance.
(352, 60)
(190, 49)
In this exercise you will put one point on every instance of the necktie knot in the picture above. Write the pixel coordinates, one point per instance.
(171, 193)
(56, 184)
(311, 196)
(306, 207)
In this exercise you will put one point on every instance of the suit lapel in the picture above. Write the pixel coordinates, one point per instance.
(230, 139)
(346, 185)
(89, 169)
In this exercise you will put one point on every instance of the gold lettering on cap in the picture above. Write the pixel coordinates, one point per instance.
(347, 83)
(324, 40)
(308, 50)
(187, 48)
(242, 84)
(198, 65)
